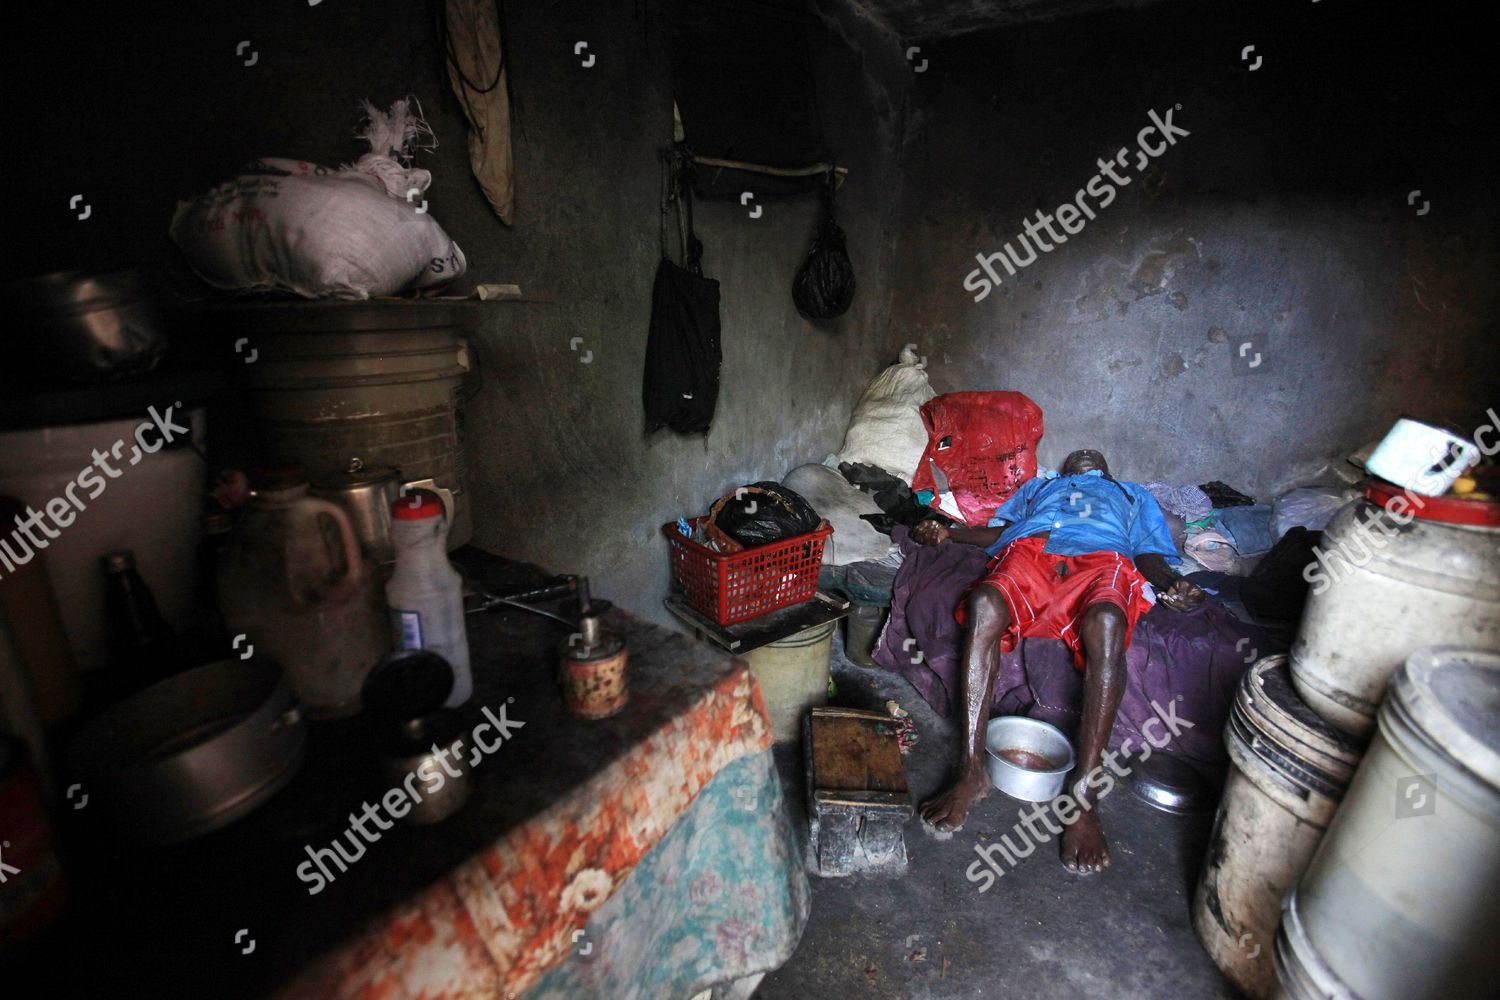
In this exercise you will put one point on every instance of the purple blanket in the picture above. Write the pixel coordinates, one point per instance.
(1194, 658)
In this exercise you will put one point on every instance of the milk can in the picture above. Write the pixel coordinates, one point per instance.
(1394, 572)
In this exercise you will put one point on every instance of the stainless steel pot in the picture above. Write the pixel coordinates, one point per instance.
(441, 792)
(367, 494)
(86, 327)
(1044, 743)
(194, 752)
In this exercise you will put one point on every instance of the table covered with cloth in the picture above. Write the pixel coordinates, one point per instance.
(671, 868)
(1183, 664)
(645, 855)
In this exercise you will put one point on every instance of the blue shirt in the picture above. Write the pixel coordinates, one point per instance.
(1086, 513)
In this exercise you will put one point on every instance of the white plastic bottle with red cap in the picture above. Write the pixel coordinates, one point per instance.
(426, 593)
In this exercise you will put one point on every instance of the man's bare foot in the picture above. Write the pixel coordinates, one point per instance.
(945, 811)
(1084, 851)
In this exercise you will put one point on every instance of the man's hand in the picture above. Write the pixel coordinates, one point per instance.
(930, 533)
(1182, 595)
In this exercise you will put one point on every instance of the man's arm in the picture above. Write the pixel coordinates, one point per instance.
(1177, 593)
(932, 533)
(1150, 536)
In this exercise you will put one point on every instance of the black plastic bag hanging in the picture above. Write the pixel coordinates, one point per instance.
(824, 287)
(683, 355)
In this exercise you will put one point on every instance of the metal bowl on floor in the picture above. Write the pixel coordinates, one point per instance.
(194, 752)
(1027, 759)
(1171, 785)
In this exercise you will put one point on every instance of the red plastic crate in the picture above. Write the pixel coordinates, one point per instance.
(731, 587)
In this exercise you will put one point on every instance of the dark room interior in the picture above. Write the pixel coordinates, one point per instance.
(702, 499)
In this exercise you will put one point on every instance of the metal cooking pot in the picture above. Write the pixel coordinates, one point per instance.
(194, 752)
(85, 327)
(1040, 740)
(367, 494)
(441, 794)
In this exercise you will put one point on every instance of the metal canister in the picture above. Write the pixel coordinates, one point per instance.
(367, 494)
(431, 748)
(592, 671)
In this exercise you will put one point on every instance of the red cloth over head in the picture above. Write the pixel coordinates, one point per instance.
(985, 443)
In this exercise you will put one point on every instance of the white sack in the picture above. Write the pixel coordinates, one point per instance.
(358, 231)
(886, 428)
(840, 504)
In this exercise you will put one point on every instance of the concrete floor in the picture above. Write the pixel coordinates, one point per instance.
(1038, 932)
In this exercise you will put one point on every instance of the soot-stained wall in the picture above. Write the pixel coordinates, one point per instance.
(1283, 227)
(144, 107)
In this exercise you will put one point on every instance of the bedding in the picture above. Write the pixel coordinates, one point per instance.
(1194, 659)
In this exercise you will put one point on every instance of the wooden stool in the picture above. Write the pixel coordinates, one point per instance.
(857, 798)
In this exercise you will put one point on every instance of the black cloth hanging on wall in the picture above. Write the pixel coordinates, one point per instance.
(683, 355)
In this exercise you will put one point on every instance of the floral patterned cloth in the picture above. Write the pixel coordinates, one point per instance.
(723, 897)
(500, 920)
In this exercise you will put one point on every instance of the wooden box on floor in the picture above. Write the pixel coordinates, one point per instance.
(858, 802)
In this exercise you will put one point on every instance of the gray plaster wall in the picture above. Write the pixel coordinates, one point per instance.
(146, 106)
(1281, 221)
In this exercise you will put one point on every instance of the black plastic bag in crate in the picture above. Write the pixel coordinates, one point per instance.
(762, 513)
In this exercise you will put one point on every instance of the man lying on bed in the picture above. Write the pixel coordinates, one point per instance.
(1070, 556)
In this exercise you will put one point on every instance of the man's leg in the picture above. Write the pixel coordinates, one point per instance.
(1083, 848)
(988, 618)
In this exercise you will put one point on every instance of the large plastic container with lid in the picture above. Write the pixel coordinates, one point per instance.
(1400, 901)
(1395, 572)
(294, 580)
(332, 382)
(1290, 770)
(425, 593)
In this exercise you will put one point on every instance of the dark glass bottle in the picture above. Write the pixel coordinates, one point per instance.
(142, 646)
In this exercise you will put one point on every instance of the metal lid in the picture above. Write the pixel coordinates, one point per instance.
(1273, 721)
(407, 684)
(1451, 694)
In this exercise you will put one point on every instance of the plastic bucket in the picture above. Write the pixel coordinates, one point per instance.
(1387, 583)
(372, 381)
(793, 677)
(1399, 902)
(1290, 769)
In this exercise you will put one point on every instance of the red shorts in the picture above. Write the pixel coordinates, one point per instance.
(1047, 593)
